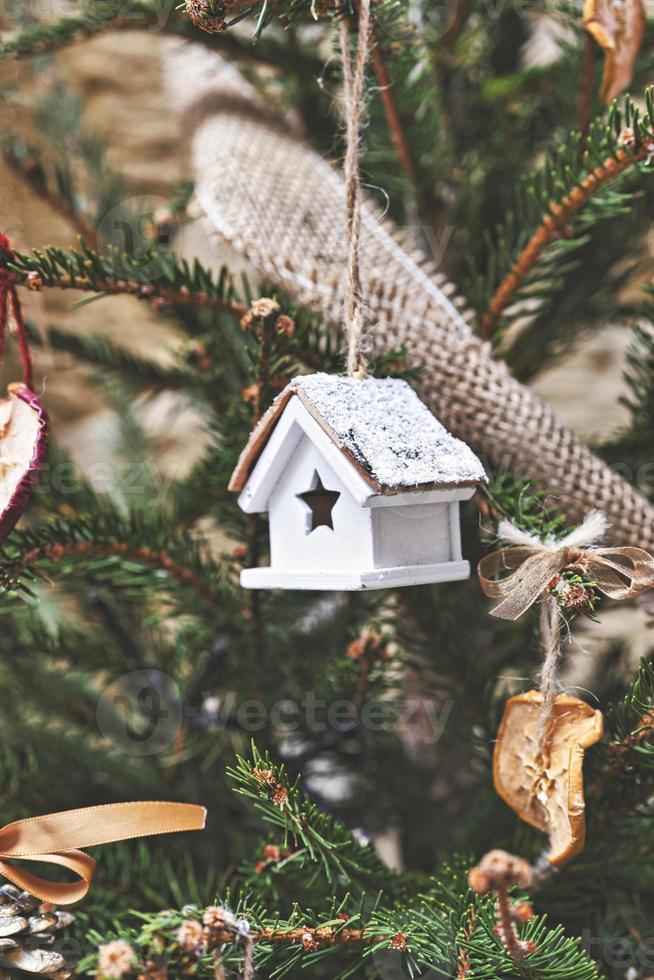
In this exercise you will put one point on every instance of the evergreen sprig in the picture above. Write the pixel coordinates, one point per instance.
(152, 16)
(314, 838)
(624, 768)
(556, 208)
(446, 928)
(156, 275)
(128, 550)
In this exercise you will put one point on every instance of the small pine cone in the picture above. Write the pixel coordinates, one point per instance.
(34, 282)
(28, 929)
(153, 971)
(524, 946)
(399, 942)
(497, 871)
(208, 15)
(250, 394)
(522, 912)
(368, 641)
(116, 959)
(627, 139)
(285, 324)
(309, 942)
(574, 597)
(190, 936)
(265, 776)
(272, 852)
(264, 307)
(280, 796)
(216, 917)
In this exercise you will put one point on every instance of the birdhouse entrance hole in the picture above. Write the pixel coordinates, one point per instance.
(320, 502)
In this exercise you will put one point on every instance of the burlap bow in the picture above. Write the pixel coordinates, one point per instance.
(619, 573)
(56, 838)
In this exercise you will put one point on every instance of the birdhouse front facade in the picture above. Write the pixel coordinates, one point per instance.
(362, 486)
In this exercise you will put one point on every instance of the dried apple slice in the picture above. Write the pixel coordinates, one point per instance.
(618, 26)
(23, 448)
(541, 777)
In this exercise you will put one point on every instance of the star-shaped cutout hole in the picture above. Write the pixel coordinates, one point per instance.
(320, 502)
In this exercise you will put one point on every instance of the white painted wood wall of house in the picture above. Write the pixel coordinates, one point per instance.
(348, 547)
(363, 537)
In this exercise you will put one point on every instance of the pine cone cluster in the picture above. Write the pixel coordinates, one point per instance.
(208, 15)
(28, 929)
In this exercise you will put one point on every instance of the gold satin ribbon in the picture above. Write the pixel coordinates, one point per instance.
(619, 573)
(56, 838)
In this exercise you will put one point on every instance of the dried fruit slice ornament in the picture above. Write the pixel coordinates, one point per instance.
(540, 773)
(539, 753)
(23, 448)
(23, 420)
(618, 26)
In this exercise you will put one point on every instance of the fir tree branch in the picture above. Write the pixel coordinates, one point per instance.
(108, 536)
(625, 779)
(55, 553)
(51, 37)
(318, 938)
(157, 277)
(554, 225)
(151, 16)
(463, 965)
(393, 117)
(99, 351)
(319, 840)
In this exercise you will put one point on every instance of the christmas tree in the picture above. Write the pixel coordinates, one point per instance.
(499, 159)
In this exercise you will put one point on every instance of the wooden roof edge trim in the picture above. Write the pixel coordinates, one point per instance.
(264, 428)
(257, 441)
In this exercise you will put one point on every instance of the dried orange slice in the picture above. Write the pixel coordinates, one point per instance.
(539, 775)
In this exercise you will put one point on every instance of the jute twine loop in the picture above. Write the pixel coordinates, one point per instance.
(532, 564)
(550, 632)
(240, 929)
(353, 80)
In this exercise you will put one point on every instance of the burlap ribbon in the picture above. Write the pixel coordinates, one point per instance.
(529, 567)
(279, 204)
(56, 838)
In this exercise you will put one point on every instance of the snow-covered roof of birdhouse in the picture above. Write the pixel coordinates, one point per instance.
(381, 426)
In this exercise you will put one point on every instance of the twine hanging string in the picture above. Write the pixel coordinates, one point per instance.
(548, 681)
(533, 564)
(240, 931)
(353, 79)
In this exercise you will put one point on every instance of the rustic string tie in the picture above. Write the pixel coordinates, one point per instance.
(57, 838)
(242, 933)
(353, 81)
(530, 567)
(520, 574)
(11, 314)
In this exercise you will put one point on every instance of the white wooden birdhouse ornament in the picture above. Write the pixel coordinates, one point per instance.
(362, 486)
